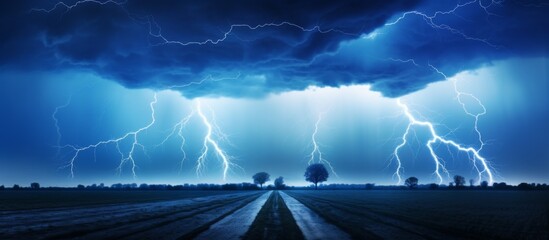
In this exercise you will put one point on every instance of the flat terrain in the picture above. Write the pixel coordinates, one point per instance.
(402, 214)
(184, 218)
(44, 198)
(290, 214)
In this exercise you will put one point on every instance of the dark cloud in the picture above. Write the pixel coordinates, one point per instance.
(122, 42)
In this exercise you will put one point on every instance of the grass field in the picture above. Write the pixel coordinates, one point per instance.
(433, 214)
(373, 214)
(118, 214)
(44, 198)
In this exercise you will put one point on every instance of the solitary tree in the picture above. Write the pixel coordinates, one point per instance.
(471, 183)
(260, 178)
(316, 173)
(411, 182)
(35, 185)
(484, 184)
(459, 181)
(279, 183)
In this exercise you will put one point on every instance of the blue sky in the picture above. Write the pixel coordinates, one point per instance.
(264, 79)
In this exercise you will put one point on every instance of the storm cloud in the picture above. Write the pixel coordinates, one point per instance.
(254, 48)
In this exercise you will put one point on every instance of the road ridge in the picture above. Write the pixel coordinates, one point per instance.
(311, 224)
(274, 221)
(235, 225)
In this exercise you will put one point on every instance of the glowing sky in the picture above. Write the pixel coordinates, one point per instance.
(262, 72)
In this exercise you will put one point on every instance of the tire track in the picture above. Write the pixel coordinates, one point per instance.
(274, 221)
(311, 224)
(235, 224)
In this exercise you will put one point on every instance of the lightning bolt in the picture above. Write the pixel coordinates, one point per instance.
(480, 164)
(472, 153)
(70, 7)
(209, 141)
(475, 116)
(178, 128)
(227, 33)
(212, 129)
(316, 153)
(412, 61)
(208, 78)
(124, 157)
(56, 122)
(431, 19)
(439, 164)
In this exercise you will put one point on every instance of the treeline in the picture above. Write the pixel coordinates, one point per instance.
(145, 186)
(252, 186)
(431, 186)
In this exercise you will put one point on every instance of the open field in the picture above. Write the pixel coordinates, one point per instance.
(44, 198)
(289, 214)
(405, 214)
(173, 219)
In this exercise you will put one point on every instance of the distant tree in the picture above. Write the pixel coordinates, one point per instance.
(484, 184)
(501, 185)
(316, 173)
(261, 178)
(229, 186)
(101, 185)
(80, 186)
(370, 186)
(471, 183)
(433, 186)
(411, 182)
(2, 187)
(144, 186)
(524, 186)
(15, 186)
(279, 183)
(249, 186)
(459, 181)
(35, 185)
